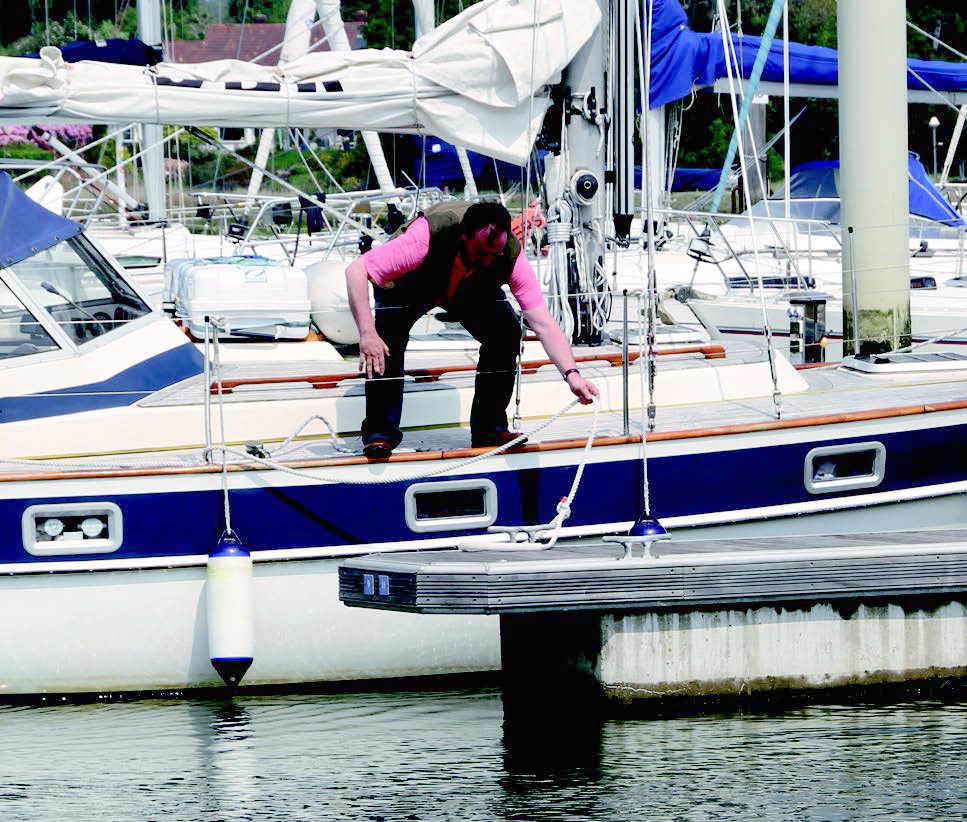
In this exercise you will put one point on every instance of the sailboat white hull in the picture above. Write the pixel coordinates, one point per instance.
(146, 630)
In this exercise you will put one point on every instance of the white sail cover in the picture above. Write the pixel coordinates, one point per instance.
(476, 81)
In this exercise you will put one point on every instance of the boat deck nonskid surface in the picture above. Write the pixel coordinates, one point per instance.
(833, 392)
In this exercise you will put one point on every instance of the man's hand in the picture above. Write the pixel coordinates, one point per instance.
(582, 389)
(372, 354)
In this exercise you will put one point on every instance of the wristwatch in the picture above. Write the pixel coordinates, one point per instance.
(568, 372)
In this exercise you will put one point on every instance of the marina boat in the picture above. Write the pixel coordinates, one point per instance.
(723, 274)
(171, 523)
(739, 271)
(119, 549)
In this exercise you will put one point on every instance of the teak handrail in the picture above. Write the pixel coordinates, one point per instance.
(710, 352)
(461, 453)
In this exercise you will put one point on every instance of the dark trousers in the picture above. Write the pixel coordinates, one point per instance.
(490, 319)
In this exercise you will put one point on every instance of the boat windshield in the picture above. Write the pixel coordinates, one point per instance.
(20, 333)
(80, 290)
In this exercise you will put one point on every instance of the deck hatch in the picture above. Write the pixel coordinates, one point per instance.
(450, 505)
(833, 468)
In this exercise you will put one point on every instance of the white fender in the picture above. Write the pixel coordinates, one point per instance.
(231, 628)
(329, 302)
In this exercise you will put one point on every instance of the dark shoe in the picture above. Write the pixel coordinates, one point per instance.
(493, 439)
(378, 449)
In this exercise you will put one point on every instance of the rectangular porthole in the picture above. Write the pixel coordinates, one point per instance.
(60, 529)
(833, 468)
(450, 505)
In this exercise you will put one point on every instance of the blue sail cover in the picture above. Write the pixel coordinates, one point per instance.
(682, 58)
(819, 180)
(123, 52)
(688, 179)
(27, 227)
(440, 166)
(926, 200)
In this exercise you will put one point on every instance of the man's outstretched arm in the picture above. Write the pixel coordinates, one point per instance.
(559, 351)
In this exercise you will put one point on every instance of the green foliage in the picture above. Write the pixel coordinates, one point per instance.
(189, 18)
(774, 166)
(349, 166)
(58, 33)
(129, 23)
(25, 151)
(390, 24)
(708, 123)
(189, 22)
(275, 11)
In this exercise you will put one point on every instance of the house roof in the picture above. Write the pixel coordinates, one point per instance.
(222, 42)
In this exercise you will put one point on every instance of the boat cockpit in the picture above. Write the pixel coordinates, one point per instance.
(61, 298)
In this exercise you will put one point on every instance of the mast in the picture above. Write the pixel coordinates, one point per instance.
(873, 174)
(574, 175)
(149, 31)
(623, 116)
(331, 18)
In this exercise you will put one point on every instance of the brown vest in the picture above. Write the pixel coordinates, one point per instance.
(431, 279)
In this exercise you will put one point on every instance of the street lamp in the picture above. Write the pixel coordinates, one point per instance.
(933, 122)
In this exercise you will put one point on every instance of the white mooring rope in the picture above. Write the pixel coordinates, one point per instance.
(448, 467)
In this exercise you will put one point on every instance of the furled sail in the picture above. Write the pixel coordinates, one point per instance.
(477, 81)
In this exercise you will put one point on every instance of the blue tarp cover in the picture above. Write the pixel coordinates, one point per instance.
(819, 180)
(26, 227)
(124, 52)
(694, 179)
(441, 167)
(688, 179)
(681, 58)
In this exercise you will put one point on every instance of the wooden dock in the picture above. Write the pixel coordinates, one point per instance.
(697, 574)
(702, 618)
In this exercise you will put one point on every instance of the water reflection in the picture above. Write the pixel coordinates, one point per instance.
(456, 755)
(227, 758)
(552, 766)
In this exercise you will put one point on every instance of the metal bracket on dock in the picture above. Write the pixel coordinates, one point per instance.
(629, 540)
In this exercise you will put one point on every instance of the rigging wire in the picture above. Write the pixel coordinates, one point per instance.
(936, 40)
(649, 284)
(526, 227)
(729, 47)
(646, 364)
(241, 32)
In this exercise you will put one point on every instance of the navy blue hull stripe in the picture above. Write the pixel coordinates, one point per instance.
(124, 388)
(190, 522)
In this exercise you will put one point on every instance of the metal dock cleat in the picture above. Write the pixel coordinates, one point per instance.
(645, 532)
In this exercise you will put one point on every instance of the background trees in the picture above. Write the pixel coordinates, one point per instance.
(26, 25)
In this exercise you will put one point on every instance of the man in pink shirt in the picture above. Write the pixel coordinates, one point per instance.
(455, 255)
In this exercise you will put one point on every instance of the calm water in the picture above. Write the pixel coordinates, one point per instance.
(452, 755)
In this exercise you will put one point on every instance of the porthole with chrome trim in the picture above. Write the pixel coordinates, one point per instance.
(450, 505)
(832, 468)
